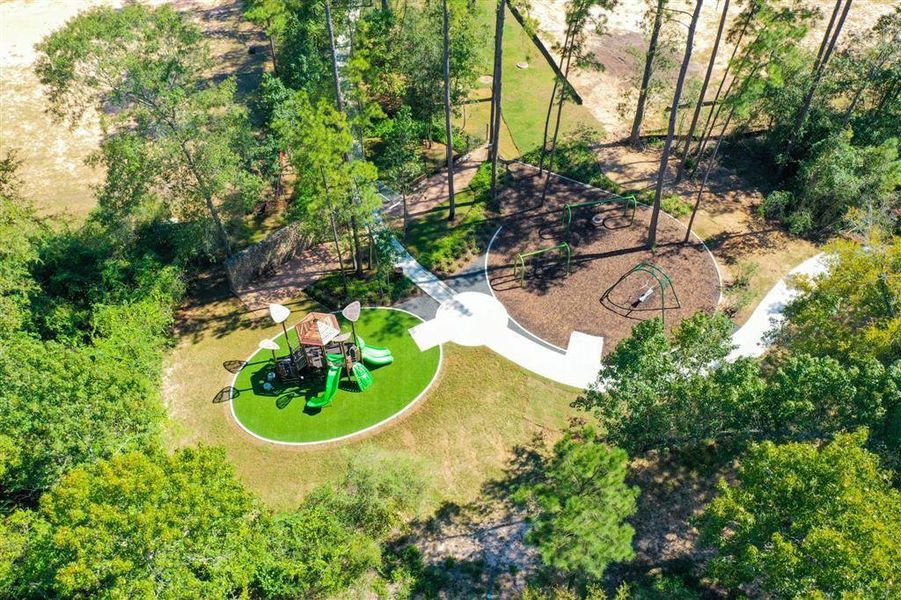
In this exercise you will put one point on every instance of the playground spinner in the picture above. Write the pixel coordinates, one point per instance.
(629, 207)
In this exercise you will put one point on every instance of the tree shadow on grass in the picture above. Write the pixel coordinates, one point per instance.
(464, 550)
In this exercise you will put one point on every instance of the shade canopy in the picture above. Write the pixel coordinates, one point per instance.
(279, 312)
(351, 312)
(317, 329)
(268, 345)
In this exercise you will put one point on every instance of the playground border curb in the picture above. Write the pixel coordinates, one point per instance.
(509, 316)
(347, 436)
(716, 265)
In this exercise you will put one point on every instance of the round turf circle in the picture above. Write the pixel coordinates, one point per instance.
(281, 415)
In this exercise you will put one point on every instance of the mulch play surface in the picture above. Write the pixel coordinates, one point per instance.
(605, 246)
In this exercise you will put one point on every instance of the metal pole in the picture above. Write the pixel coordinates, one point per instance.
(354, 332)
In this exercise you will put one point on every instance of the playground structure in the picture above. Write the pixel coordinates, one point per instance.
(655, 282)
(325, 350)
(629, 206)
(524, 259)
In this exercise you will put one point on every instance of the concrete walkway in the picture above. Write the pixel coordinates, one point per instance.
(477, 319)
(750, 339)
(419, 275)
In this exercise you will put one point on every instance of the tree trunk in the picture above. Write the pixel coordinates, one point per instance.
(710, 122)
(635, 135)
(339, 104)
(220, 228)
(339, 99)
(550, 104)
(358, 250)
(871, 73)
(403, 195)
(891, 90)
(712, 161)
(826, 34)
(550, 162)
(498, 41)
(667, 146)
(331, 216)
(819, 70)
(496, 95)
(694, 119)
(272, 51)
(452, 210)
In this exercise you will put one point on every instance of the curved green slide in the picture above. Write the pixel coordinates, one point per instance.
(363, 376)
(375, 355)
(331, 388)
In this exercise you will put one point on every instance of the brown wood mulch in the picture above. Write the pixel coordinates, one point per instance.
(552, 304)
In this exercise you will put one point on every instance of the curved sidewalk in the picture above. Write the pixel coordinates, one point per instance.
(475, 319)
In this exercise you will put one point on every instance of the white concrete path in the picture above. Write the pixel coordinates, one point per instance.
(750, 339)
(477, 319)
(422, 277)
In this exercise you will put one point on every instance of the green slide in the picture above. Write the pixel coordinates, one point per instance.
(375, 355)
(331, 388)
(363, 376)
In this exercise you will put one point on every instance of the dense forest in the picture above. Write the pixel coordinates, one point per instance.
(805, 440)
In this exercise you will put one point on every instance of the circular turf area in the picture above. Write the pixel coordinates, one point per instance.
(606, 243)
(280, 415)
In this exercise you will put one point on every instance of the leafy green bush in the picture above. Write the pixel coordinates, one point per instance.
(444, 247)
(839, 180)
(575, 159)
(675, 205)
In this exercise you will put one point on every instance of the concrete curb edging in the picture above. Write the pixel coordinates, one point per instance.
(368, 429)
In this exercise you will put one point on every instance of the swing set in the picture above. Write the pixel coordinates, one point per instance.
(655, 281)
(523, 259)
(630, 204)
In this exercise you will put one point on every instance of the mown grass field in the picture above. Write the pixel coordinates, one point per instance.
(525, 92)
(463, 431)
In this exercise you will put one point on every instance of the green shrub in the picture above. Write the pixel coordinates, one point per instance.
(576, 159)
(675, 205)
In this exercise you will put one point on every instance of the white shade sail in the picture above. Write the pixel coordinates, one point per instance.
(351, 312)
(268, 345)
(279, 313)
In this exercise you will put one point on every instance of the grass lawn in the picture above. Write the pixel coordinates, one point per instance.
(279, 414)
(441, 246)
(525, 92)
(463, 430)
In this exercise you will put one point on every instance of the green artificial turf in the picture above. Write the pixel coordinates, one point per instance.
(281, 415)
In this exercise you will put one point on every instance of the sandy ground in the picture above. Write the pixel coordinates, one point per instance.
(604, 91)
(55, 176)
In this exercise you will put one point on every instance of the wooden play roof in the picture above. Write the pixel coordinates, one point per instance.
(317, 329)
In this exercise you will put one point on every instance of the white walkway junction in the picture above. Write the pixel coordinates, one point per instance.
(477, 319)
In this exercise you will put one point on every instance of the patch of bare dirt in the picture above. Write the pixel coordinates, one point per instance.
(55, 176)
(603, 90)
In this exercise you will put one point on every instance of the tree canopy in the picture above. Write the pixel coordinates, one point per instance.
(174, 136)
(854, 309)
(578, 506)
(807, 520)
